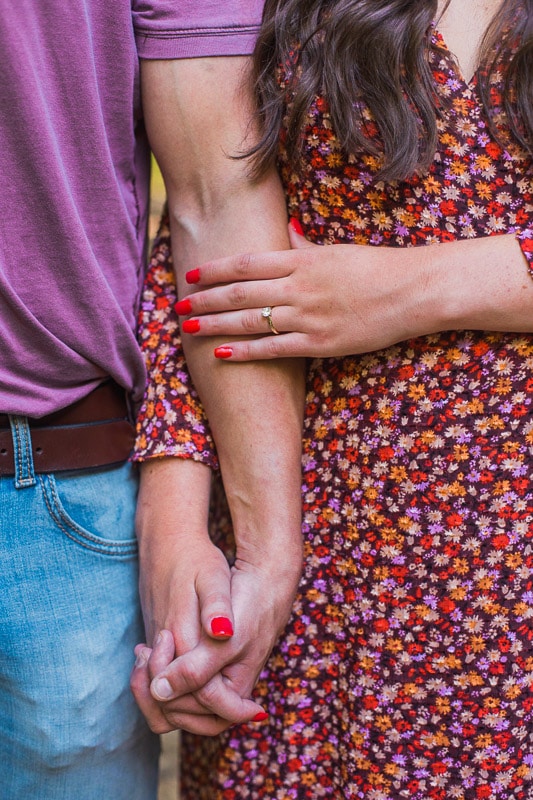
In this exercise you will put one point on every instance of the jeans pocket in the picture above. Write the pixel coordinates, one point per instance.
(95, 509)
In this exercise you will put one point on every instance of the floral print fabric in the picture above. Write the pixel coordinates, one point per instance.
(406, 670)
(171, 420)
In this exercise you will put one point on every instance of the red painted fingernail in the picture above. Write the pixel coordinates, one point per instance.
(223, 352)
(221, 626)
(192, 276)
(190, 326)
(261, 717)
(296, 226)
(183, 307)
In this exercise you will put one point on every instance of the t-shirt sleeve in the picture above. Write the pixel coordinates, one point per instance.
(195, 28)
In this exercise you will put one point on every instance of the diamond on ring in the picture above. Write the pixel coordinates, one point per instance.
(266, 312)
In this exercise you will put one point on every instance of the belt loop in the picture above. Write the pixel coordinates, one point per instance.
(24, 472)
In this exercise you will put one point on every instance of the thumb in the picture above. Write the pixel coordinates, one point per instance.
(296, 235)
(213, 589)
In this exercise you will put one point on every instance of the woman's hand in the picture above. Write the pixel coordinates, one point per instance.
(326, 301)
(346, 299)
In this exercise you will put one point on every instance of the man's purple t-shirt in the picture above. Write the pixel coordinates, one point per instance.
(74, 167)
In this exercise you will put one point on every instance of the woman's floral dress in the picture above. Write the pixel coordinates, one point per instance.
(406, 670)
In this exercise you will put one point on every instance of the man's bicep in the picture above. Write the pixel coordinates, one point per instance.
(198, 114)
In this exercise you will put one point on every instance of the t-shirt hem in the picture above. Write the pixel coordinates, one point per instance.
(196, 43)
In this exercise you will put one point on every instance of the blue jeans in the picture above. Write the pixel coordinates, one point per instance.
(69, 619)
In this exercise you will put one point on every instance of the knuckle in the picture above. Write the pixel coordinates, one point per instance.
(159, 726)
(238, 295)
(201, 303)
(207, 695)
(189, 676)
(322, 338)
(274, 346)
(139, 686)
(212, 325)
(243, 351)
(249, 321)
(242, 266)
(217, 601)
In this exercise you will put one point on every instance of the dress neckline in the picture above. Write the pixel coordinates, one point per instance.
(455, 65)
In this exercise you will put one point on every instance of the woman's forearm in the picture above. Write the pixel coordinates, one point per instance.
(479, 284)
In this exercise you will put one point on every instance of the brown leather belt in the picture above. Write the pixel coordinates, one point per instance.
(93, 432)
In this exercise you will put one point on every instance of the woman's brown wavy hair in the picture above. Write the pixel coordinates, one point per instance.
(375, 52)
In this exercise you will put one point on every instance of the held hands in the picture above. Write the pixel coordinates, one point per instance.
(191, 596)
(186, 589)
(210, 628)
(205, 688)
(326, 301)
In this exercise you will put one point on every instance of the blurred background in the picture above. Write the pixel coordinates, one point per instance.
(157, 198)
(168, 765)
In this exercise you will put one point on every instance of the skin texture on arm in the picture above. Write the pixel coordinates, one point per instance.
(184, 579)
(379, 295)
(197, 117)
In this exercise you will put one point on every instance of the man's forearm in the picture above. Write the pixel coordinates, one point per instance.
(216, 209)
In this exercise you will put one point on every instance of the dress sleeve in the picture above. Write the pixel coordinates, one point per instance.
(194, 28)
(171, 420)
(525, 239)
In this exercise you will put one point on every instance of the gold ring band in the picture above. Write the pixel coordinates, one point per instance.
(266, 312)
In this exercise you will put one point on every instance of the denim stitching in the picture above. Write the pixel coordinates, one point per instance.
(56, 513)
(24, 473)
